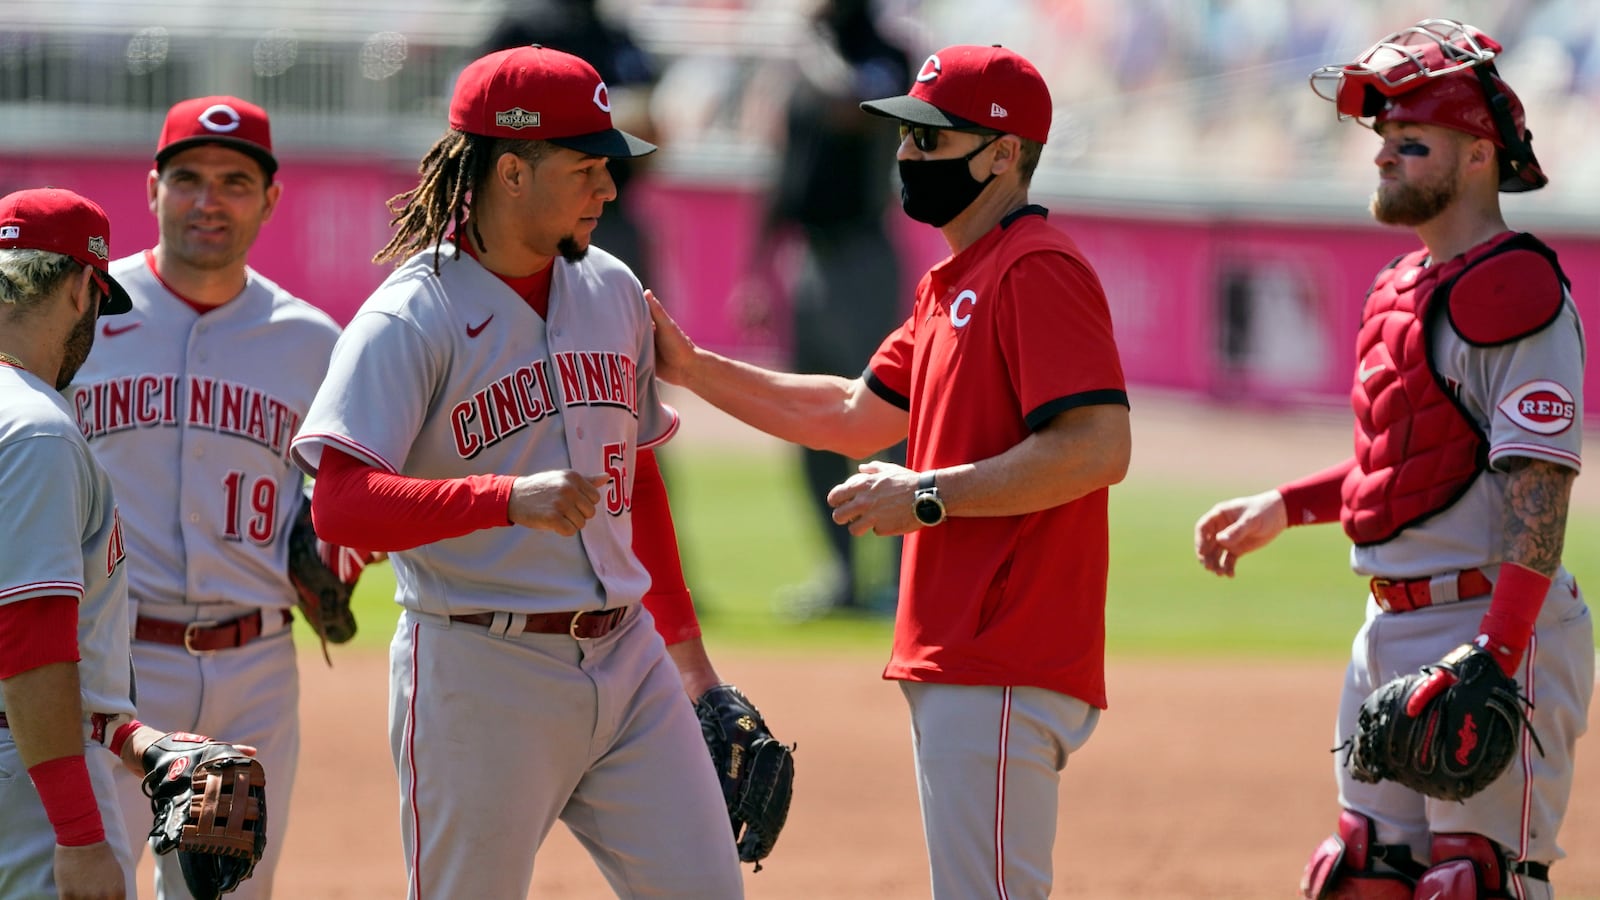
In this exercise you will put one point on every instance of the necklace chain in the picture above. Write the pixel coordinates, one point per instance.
(12, 360)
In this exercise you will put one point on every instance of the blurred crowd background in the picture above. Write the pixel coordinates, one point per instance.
(1157, 101)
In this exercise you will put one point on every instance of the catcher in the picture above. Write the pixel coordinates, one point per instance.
(1471, 679)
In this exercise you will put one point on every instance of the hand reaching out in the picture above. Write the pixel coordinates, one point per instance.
(1235, 527)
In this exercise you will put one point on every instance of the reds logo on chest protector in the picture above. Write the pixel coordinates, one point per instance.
(1417, 449)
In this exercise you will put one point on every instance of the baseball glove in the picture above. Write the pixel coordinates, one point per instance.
(322, 595)
(210, 805)
(757, 772)
(1447, 743)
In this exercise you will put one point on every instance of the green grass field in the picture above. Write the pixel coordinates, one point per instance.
(746, 533)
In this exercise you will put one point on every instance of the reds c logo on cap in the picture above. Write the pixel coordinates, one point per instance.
(931, 67)
(220, 119)
(97, 246)
(602, 97)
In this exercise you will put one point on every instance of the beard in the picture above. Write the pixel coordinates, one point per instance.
(1416, 203)
(570, 249)
(79, 342)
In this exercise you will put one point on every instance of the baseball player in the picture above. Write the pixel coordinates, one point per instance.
(1008, 381)
(1468, 405)
(484, 419)
(190, 403)
(65, 683)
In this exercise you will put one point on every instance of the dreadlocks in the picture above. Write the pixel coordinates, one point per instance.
(453, 169)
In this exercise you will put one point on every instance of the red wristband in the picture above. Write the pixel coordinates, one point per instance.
(68, 798)
(1508, 625)
(121, 735)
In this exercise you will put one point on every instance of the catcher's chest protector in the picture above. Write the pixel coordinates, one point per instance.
(1417, 451)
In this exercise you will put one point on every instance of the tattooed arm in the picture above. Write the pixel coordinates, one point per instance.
(1535, 513)
(1535, 523)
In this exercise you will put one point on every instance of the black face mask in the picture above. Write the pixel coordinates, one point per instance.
(935, 191)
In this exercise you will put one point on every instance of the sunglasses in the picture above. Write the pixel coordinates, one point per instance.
(926, 137)
(923, 137)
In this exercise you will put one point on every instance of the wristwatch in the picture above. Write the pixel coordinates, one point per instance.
(927, 504)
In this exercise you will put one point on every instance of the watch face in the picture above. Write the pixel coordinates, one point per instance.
(929, 510)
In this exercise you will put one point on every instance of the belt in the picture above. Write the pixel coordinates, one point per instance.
(1416, 593)
(209, 637)
(582, 625)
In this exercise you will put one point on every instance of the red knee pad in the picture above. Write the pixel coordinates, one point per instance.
(1342, 866)
(1469, 866)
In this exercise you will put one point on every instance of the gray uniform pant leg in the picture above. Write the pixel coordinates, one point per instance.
(989, 763)
(496, 738)
(27, 854)
(245, 695)
(1523, 810)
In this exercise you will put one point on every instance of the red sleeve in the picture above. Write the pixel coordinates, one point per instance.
(37, 632)
(1316, 497)
(655, 542)
(1054, 328)
(889, 371)
(357, 505)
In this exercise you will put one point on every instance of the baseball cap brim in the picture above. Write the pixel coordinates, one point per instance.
(918, 112)
(613, 143)
(116, 300)
(251, 149)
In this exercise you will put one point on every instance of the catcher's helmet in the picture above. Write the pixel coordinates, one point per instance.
(1438, 72)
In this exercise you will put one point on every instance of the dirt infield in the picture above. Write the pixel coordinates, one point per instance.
(1185, 792)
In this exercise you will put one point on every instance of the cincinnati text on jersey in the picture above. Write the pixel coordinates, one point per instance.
(514, 401)
(148, 401)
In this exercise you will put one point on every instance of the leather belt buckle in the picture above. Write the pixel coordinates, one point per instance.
(192, 631)
(1380, 592)
(572, 627)
(603, 623)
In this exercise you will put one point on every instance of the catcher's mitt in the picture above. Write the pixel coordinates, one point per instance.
(323, 596)
(757, 772)
(210, 805)
(1450, 745)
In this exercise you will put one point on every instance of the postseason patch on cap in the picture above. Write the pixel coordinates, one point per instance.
(517, 118)
(97, 246)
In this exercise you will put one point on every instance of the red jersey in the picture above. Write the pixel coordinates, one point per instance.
(1004, 336)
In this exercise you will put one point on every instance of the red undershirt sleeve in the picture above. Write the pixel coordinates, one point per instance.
(1316, 497)
(357, 505)
(655, 542)
(37, 632)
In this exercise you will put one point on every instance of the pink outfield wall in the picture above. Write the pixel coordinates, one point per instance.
(1232, 308)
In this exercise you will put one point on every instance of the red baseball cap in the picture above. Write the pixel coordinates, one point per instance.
(228, 121)
(59, 221)
(966, 87)
(535, 93)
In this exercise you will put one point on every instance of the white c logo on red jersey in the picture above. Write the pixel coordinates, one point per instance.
(1542, 407)
(958, 318)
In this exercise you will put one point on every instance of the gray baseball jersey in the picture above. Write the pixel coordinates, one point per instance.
(193, 416)
(469, 379)
(65, 536)
(1527, 398)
